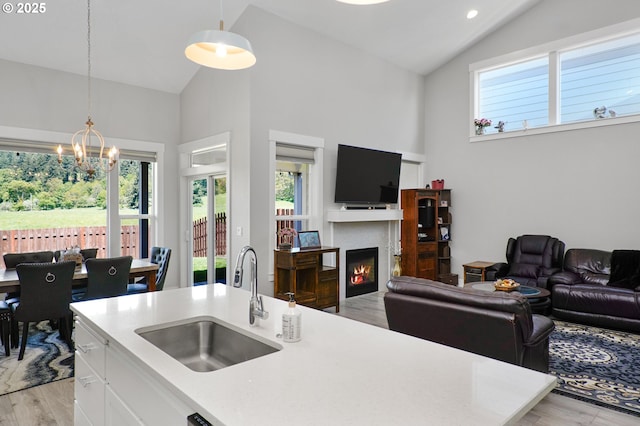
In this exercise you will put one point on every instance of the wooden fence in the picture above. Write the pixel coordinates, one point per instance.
(200, 230)
(27, 240)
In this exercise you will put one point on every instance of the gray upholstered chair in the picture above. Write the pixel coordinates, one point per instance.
(11, 260)
(45, 294)
(90, 253)
(106, 277)
(160, 256)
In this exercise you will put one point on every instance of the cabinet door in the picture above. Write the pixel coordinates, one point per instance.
(118, 414)
(327, 290)
(149, 400)
(426, 264)
(91, 347)
(79, 417)
(89, 392)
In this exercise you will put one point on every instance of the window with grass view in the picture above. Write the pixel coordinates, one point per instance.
(45, 205)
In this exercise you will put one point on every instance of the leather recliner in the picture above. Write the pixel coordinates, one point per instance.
(531, 260)
(581, 293)
(497, 325)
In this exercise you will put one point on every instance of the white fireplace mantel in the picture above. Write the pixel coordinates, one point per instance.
(382, 215)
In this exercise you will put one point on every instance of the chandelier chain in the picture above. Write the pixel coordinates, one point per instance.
(89, 59)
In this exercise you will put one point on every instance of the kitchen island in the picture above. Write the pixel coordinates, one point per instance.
(342, 372)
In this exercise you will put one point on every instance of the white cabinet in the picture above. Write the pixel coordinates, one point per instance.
(117, 412)
(154, 404)
(107, 378)
(90, 377)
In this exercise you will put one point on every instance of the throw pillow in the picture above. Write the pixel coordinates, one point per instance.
(523, 270)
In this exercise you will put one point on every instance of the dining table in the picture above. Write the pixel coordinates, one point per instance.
(9, 281)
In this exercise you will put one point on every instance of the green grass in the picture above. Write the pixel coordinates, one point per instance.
(58, 218)
(65, 218)
(200, 263)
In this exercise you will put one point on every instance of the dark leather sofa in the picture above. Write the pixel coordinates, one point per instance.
(582, 293)
(494, 324)
(531, 260)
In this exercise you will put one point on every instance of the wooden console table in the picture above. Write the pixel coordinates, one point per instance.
(302, 272)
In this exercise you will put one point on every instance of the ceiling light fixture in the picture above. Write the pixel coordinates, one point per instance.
(472, 14)
(220, 49)
(88, 157)
(362, 2)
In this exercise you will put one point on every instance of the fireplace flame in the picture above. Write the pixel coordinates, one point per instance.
(360, 274)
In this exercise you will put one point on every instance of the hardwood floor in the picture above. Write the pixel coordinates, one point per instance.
(52, 404)
(552, 410)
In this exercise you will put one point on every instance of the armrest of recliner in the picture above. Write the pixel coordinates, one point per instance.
(545, 274)
(564, 277)
(542, 328)
(495, 271)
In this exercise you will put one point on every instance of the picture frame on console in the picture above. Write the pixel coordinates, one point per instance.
(309, 239)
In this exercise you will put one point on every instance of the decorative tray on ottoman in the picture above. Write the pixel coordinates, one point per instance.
(506, 285)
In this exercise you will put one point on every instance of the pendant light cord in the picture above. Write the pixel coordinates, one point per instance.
(89, 59)
(221, 18)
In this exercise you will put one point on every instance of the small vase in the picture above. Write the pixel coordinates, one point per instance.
(284, 246)
(397, 271)
(479, 130)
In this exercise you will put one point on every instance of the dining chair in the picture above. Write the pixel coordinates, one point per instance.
(90, 253)
(107, 277)
(11, 260)
(45, 294)
(159, 256)
(5, 325)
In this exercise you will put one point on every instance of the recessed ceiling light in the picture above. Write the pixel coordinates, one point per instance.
(472, 14)
(361, 2)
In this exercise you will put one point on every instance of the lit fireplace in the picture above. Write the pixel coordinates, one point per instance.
(362, 271)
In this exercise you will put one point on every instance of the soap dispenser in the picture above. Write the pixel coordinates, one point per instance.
(291, 322)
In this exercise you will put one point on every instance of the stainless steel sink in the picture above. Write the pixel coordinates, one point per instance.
(205, 345)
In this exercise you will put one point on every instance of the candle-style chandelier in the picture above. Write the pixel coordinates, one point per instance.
(87, 155)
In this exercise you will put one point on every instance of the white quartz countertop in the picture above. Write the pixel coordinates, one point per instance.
(343, 372)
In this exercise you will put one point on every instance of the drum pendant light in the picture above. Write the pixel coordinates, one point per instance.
(220, 49)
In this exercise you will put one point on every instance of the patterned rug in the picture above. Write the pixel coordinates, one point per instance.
(598, 366)
(46, 359)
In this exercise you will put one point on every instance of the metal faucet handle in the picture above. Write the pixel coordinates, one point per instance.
(263, 314)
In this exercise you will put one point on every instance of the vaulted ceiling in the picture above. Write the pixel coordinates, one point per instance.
(141, 42)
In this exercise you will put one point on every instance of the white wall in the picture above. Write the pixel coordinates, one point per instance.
(580, 185)
(308, 84)
(38, 99)
(214, 102)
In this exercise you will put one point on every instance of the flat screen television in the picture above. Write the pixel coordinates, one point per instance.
(367, 176)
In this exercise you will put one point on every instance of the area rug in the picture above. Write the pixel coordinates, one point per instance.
(598, 366)
(46, 359)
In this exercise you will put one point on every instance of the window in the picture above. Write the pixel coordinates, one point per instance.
(47, 205)
(297, 162)
(135, 204)
(516, 93)
(292, 199)
(604, 76)
(561, 84)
